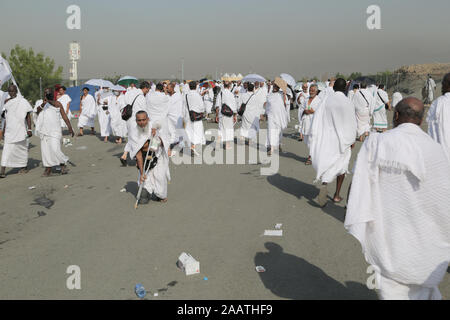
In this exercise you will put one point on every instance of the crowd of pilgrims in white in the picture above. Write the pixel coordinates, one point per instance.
(397, 204)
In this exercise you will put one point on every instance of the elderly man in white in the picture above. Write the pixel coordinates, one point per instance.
(398, 207)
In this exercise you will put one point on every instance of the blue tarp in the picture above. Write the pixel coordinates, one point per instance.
(75, 94)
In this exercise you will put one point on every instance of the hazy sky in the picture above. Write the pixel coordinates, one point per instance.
(304, 38)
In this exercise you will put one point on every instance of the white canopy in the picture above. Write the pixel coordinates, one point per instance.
(253, 78)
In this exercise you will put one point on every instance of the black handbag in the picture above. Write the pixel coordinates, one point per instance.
(105, 108)
(195, 116)
(226, 110)
(127, 111)
(241, 110)
(386, 106)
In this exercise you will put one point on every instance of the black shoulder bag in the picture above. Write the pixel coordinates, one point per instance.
(241, 110)
(385, 104)
(195, 116)
(226, 110)
(127, 111)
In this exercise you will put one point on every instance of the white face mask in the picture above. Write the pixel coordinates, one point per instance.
(116, 93)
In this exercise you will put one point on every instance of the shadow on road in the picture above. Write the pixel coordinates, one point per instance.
(310, 192)
(293, 186)
(291, 277)
(132, 187)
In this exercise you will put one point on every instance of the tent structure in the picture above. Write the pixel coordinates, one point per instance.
(232, 77)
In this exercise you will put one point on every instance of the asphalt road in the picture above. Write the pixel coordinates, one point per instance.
(217, 213)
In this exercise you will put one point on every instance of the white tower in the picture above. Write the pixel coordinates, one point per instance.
(74, 54)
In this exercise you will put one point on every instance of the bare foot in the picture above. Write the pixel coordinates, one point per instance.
(337, 199)
(47, 173)
(23, 171)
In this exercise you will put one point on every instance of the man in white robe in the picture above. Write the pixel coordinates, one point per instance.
(195, 133)
(261, 96)
(3, 97)
(49, 130)
(104, 115)
(396, 98)
(226, 123)
(430, 87)
(277, 119)
(157, 103)
(136, 98)
(65, 100)
(155, 183)
(438, 118)
(250, 118)
(398, 207)
(351, 93)
(208, 96)
(363, 101)
(116, 103)
(175, 116)
(333, 135)
(36, 105)
(88, 111)
(17, 130)
(309, 108)
(380, 122)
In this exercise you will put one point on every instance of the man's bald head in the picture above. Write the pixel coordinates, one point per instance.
(446, 84)
(409, 110)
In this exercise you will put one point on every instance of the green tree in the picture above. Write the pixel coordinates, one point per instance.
(28, 68)
(355, 75)
(340, 75)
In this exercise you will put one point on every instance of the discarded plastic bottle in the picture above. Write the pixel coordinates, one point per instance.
(140, 291)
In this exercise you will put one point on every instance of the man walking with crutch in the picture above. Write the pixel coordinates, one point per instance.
(150, 148)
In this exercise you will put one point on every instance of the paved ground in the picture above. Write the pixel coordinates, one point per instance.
(217, 213)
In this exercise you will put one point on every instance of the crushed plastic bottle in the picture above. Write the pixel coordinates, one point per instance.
(140, 291)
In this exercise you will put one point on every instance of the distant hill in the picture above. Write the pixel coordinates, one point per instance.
(435, 69)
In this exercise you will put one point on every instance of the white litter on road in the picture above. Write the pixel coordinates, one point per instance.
(273, 233)
(188, 264)
(260, 269)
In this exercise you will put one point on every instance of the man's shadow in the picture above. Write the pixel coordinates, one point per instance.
(291, 277)
(310, 192)
(132, 187)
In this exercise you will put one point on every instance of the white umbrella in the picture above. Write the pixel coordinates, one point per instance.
(100, 83)
(289, 79)
(118, 88)
(253, 78)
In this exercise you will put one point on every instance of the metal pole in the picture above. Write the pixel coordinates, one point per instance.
(182, 69)
(40, 87)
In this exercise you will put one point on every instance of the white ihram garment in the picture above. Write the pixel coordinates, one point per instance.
(250, 118)
(226, 124)
(398, 211)
(194, 129)
(64, 100)
(15, 148)
(438, 120)
(333, 132)
(50, 133)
